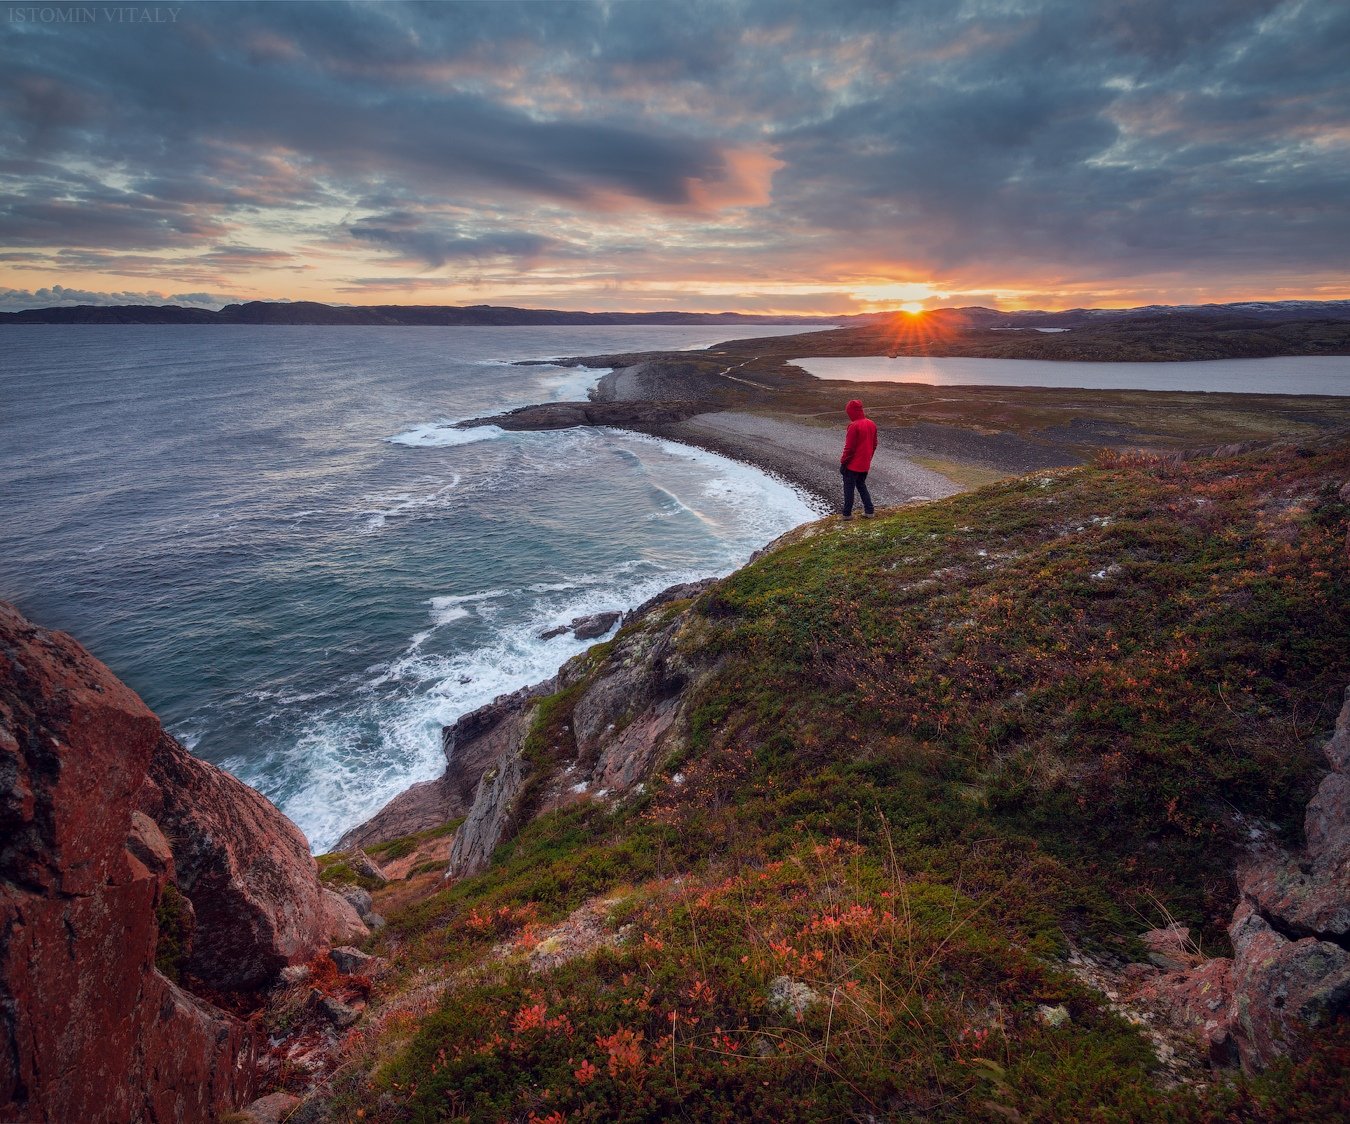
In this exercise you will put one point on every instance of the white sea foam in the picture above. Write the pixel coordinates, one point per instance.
(442, 434)
(347, 761)
(572, 384)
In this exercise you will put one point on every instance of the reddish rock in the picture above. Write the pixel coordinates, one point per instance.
(89, 1030)
(1281, 988)
(246, 869)
(1171, 947)
(1290, 972)
(271, 1109)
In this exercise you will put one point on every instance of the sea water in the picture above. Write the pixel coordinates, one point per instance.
(273, 535)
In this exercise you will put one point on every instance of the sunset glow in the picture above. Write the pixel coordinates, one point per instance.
(581, 155)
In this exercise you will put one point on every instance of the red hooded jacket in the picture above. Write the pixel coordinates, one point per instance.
(861, 441)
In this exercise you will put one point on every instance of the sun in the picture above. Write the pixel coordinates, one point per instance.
(912, 307)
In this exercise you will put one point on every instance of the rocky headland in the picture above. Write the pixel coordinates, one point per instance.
(579, 821)
(745, 399)
(1027, 803)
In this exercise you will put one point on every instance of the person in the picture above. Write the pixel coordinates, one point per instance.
(859, 444)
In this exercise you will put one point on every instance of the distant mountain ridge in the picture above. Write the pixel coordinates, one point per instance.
(405, 315)
(388, 315)
(978, 316)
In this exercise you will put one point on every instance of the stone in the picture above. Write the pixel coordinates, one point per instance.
(91, 1030)
(550, 633)
(1170, 948)
(148, 844)
(375, 922)
(337, 1012)
(1281, 987)
(365, 866)
(244, 866)
(341, 920)
(357, 897)
(350, 961)
(271, 1109)
(594, 626)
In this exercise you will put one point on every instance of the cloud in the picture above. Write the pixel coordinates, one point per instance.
(412, 241)
(980, 144)
(12, 300)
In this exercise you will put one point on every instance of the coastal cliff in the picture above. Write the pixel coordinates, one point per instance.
(1016, 804)
(146, 901)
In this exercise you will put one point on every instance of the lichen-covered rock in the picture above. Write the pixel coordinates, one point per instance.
(350, 961)
(491, 818)
(343, 923)
(792, 996)
(244, 866)
(1281, 988)
(89, 1030)
(1290, 970)
(271, 1109)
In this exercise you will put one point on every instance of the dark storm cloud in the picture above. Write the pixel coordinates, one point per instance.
(410, 239)
(1094, 139)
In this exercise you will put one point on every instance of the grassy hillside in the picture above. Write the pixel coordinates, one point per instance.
(943, 751)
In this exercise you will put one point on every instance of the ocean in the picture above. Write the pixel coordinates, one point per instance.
(271, 535)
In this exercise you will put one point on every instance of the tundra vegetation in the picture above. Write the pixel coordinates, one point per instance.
(945, 753)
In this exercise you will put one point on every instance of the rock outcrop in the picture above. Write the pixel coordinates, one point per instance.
(106, 823)
(488, 737)
(471, 746)
(623, 716)
(1290, 970)
(245, 868)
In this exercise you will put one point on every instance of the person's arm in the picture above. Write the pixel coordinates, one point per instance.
(850, 444)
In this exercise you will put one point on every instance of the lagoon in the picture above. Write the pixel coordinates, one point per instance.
(1318, 374)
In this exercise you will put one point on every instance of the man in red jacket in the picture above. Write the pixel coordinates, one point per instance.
(859, 445)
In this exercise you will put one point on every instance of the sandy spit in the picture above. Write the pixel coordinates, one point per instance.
(806, 456)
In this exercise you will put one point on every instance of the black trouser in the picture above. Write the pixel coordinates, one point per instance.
(855, 480)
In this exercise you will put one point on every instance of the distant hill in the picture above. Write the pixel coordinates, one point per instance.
(413, 315)
(388, 315)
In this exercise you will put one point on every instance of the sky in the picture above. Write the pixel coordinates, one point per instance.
(778, 156)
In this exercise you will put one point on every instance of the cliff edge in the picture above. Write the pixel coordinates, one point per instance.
(137, 885)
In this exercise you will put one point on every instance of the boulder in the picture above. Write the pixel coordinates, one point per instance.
(593, 626)
(271, 1109)
(342, 921)
(365, 866)
(90, 1029)
(244, 866)
(1290, 970)
(1281, 988)
(336, 1011)
(357, 897)
(350, 961)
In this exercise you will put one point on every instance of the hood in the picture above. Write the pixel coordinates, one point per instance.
(854, 410)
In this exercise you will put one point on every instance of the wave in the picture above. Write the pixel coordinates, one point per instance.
(438, 435)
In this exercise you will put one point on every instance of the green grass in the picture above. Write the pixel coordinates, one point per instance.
(938, 750)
